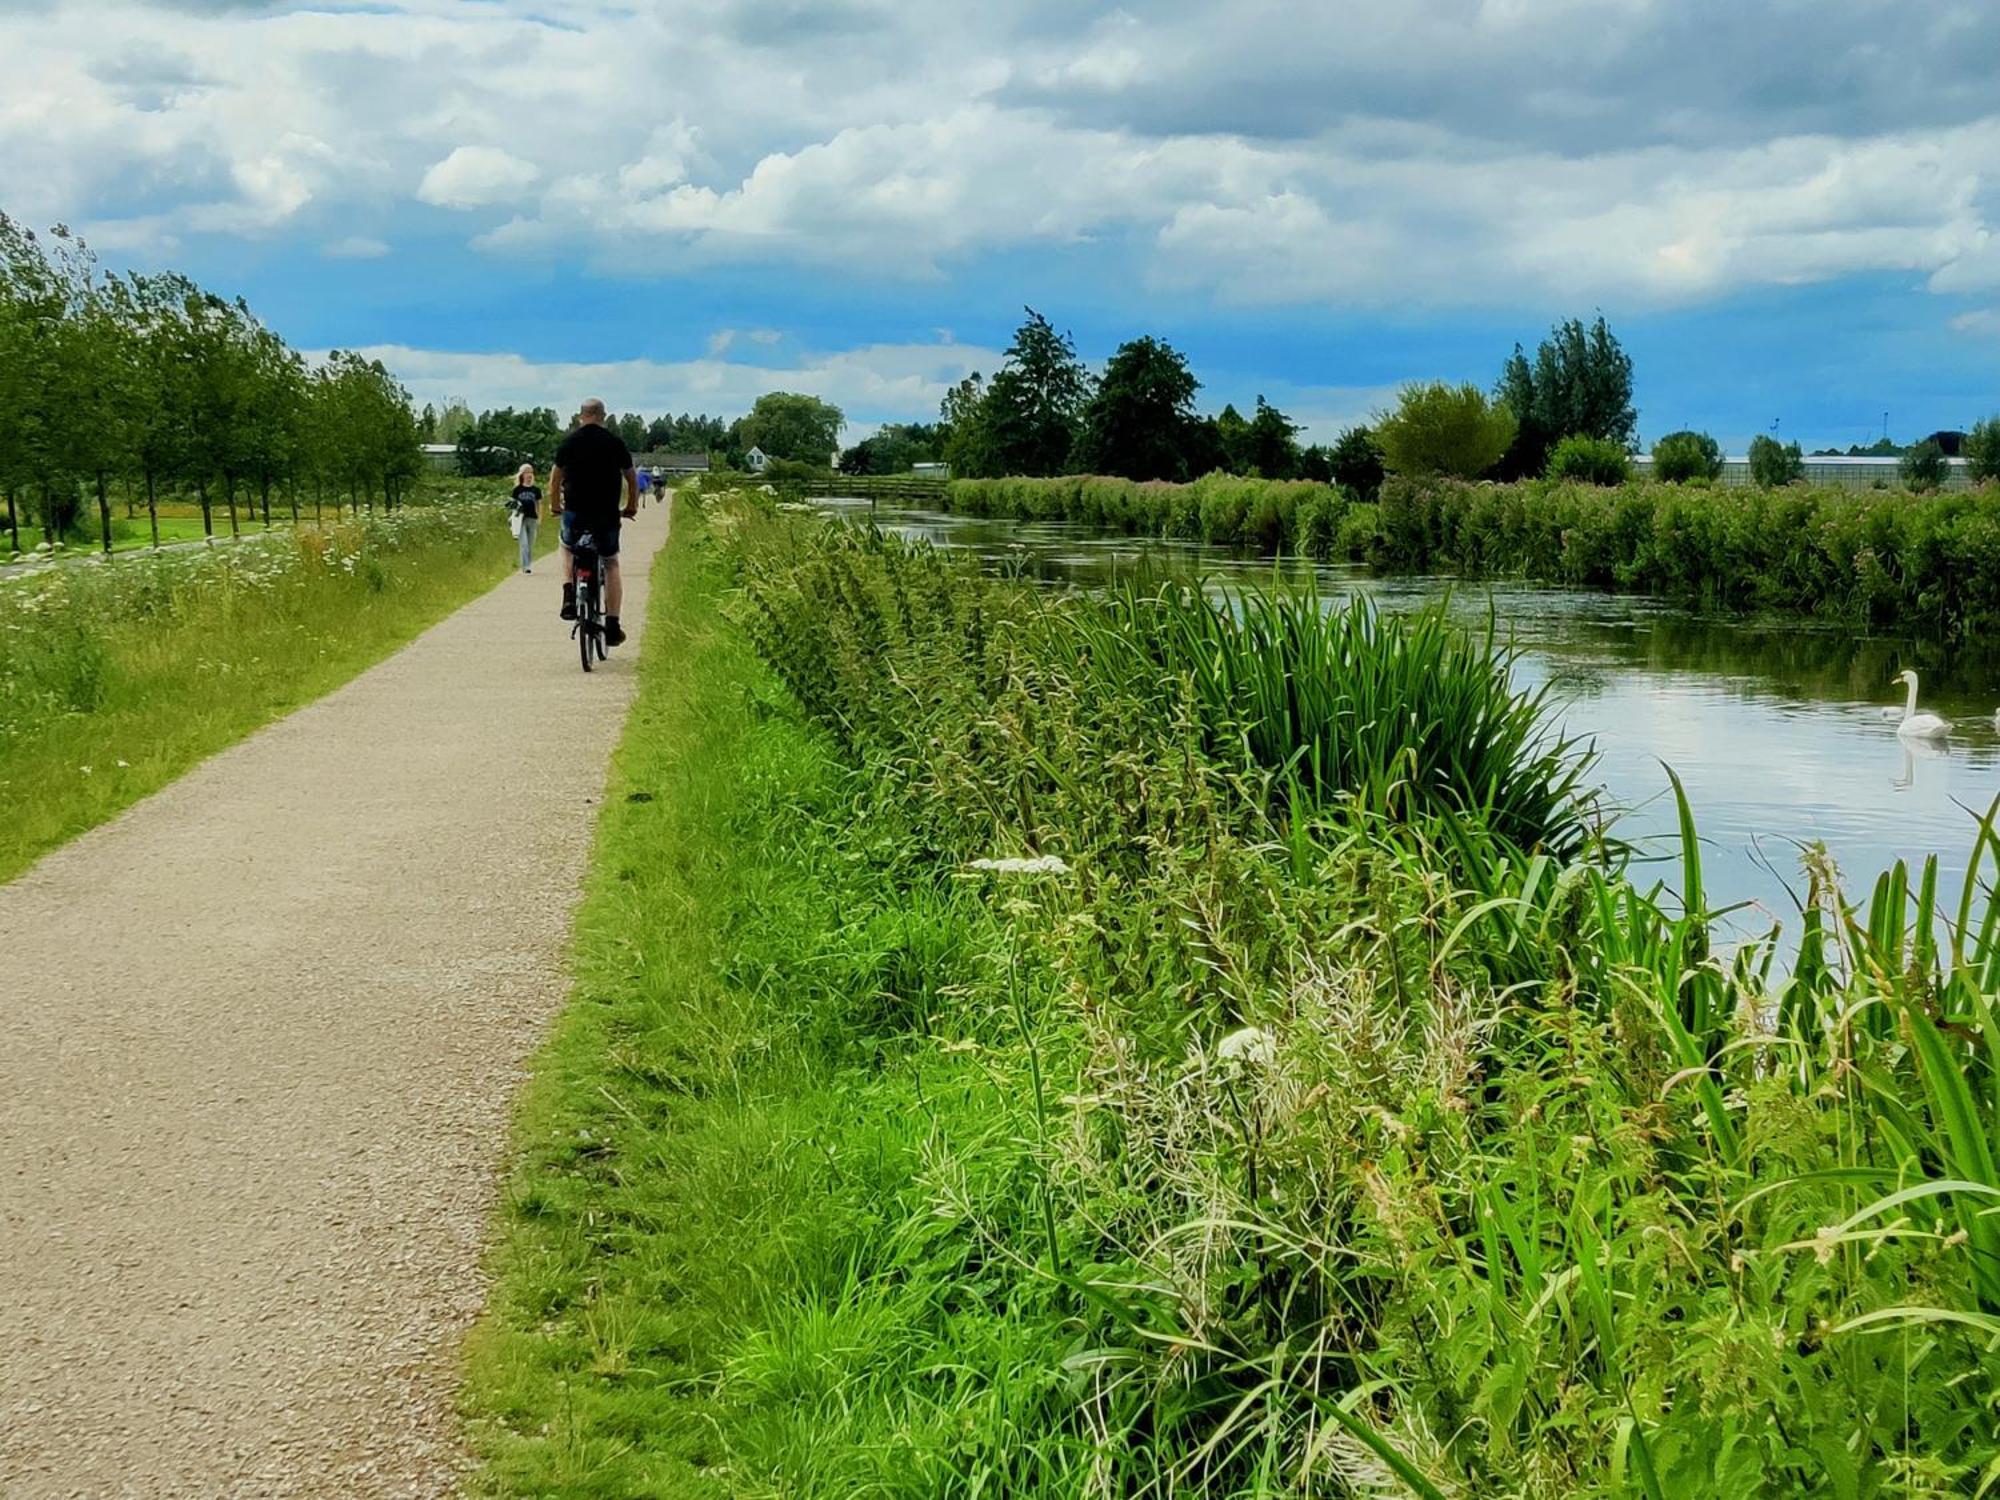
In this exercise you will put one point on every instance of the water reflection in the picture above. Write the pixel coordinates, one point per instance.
(1775, 728)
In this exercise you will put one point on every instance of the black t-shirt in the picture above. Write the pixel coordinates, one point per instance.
(528, 500)
(593, 460)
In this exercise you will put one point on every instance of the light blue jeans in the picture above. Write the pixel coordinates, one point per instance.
(528, 525)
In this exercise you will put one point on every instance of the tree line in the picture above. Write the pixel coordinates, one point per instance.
(782, 425)
(1043, 413)
(155, 383)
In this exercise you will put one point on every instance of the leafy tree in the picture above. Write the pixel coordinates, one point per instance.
(445, 426)
(1137, 422)
(1773, 463)
(500, 441)
(785, 424)
(1589, 460)
(967, 443)
(1033, 409)
(631, 427)
(1681, 456)
(1232, 434)
(1438, 428)
(895, 448)
(1273, 442)
(1315, 465)
(1205, 454)
(1356, 461)
(1581, 382)
(1924, 467)
(1982, 451)
(1527, 455)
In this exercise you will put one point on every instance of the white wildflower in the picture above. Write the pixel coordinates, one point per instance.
(1047, 864)
(1249, 1044)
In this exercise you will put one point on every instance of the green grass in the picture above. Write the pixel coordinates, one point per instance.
(116, 678)
(705, 1155)
(1255, 1145)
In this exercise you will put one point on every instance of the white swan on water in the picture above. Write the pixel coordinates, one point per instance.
(1918, 726)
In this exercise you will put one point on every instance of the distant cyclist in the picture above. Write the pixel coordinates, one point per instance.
(593, 473)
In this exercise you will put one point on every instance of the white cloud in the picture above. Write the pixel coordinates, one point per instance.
(1982, 322)
(1382, 150)
(477, 177)
(356, 247)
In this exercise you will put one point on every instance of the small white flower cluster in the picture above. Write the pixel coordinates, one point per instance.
(1046, 864)
(1248, 1044)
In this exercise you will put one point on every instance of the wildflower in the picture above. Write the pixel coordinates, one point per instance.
(1046, 864)
(1826, 1240)
(1249, 1044)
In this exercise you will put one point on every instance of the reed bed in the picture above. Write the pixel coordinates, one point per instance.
(1926, 565)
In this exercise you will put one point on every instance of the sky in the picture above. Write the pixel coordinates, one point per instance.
(1788, 210)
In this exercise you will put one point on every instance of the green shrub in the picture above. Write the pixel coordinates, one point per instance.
(1982, 451)
(1682, 456)
(1589, 460)
(1923, 467)
(1773, 463)
(1440, 429)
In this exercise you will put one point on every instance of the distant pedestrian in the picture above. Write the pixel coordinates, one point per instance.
(526, 504)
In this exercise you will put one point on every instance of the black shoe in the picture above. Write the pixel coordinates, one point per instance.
(569, 602)
(614, 634)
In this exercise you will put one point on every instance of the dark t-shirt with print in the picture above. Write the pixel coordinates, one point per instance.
(528, 501)
(593, 460)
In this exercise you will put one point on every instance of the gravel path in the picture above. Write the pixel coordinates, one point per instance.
(259, 1043)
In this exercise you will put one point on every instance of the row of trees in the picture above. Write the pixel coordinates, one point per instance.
(154, 382)
(1043, 413)
(783, 425)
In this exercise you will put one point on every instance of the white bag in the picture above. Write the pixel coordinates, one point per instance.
(514, 525)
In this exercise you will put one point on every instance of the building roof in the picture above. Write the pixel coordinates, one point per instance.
(685, 462)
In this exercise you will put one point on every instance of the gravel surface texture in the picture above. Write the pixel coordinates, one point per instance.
(258, 1046)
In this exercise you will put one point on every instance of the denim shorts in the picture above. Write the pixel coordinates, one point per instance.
(604, 538)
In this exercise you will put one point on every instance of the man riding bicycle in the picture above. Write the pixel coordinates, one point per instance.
(593, 466)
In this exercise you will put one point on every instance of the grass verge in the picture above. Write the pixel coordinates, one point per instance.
(997, 1068)
(703, 1164)
(116, 677)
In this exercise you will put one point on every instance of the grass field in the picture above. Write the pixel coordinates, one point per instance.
(115, 678)
(1099, 1047)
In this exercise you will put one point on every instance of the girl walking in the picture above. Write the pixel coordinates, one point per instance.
(526, 503)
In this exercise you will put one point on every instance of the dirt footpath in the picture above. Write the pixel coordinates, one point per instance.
(258, 1043)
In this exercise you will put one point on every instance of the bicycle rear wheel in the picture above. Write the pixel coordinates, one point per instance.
(586, 619)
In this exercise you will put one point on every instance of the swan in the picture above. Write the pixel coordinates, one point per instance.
(1915, 725)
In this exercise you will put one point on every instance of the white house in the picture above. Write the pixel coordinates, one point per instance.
(755, 460)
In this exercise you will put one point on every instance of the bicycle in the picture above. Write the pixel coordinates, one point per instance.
(589, 628)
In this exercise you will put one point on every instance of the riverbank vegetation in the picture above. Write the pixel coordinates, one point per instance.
(1926, 565)
(1045, 1045)
(118, 675)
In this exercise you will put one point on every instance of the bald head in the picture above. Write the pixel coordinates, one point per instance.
(591, 411)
